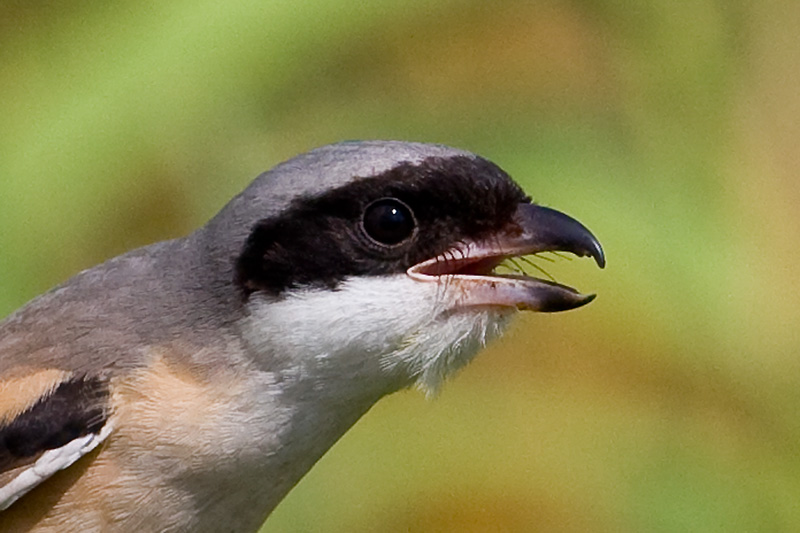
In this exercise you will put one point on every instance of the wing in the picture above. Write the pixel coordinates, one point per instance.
(48, 420)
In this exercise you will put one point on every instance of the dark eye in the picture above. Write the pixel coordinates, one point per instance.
(389, 221)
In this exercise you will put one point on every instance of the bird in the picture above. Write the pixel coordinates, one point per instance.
(190, 384)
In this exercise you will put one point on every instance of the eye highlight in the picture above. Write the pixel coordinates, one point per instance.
(388, 221)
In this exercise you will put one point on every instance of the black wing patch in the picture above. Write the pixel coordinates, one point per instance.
(76, 408)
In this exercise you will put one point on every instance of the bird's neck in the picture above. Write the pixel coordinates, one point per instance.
(322, 358)
(294, 424)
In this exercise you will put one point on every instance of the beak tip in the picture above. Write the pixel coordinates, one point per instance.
(598, 255)
(563, 300)
(547, 229)
(587, 299)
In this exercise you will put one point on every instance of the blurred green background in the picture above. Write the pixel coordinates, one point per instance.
(671, 129)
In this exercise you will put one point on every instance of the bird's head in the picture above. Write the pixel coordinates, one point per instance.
(378, 261)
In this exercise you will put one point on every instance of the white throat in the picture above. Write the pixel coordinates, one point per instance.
(370, 335)
(324, 357)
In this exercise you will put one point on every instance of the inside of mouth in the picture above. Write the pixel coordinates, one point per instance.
(524, 268)
(482, 267)
(510, 267)
(496, 266)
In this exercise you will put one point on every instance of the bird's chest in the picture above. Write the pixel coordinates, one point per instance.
(214, 455)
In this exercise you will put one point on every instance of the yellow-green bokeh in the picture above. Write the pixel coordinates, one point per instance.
(671, 129)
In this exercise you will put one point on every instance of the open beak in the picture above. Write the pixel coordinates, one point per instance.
(470, 269)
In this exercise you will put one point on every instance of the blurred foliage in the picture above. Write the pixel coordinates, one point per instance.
(670, 129)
